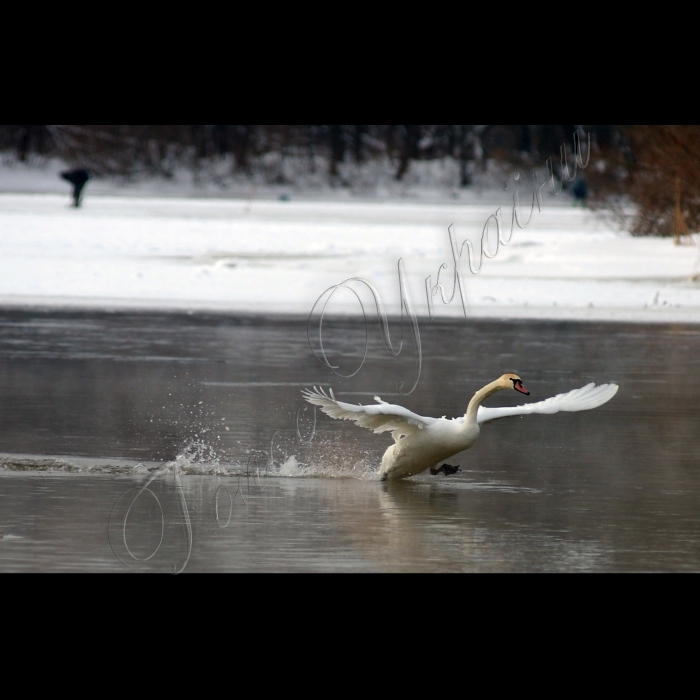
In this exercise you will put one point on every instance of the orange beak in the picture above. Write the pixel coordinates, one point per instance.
(518, 386)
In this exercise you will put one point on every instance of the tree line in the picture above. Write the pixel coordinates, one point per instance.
(646, 166)
(127, 148)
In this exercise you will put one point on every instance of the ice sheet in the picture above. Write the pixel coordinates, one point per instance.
(279, 256)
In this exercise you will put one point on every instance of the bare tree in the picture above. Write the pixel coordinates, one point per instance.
(337, 140)
(657, 169)
(409, 149)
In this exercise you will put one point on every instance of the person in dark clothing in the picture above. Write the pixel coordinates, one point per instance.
(580, 190)
(77, 178)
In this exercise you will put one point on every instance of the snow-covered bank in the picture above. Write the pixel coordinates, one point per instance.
(279, 256)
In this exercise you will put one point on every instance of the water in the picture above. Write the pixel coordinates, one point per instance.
(95, 403)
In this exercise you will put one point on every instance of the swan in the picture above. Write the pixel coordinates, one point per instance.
(420, 442)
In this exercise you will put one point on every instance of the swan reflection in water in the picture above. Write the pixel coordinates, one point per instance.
(420, 442)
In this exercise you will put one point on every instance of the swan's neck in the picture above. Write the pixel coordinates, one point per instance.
(472, 409)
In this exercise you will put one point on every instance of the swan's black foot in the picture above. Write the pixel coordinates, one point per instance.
(446, 469)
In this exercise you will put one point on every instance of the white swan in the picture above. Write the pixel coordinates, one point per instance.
(420, 442)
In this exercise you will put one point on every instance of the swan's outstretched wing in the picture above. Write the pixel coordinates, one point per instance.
(589, 396)
(380, 418)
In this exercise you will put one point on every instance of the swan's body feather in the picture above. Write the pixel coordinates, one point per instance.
(421, 442)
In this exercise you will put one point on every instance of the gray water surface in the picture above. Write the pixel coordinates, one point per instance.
(94, 403)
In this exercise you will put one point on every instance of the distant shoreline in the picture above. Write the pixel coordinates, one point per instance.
(137, 307)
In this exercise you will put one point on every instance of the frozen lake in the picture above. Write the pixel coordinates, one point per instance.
(239, 256)
(91, 401)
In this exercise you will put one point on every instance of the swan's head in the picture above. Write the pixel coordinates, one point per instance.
(513, 381)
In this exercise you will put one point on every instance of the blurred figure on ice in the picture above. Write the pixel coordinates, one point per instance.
(580, 190)
(77, 178)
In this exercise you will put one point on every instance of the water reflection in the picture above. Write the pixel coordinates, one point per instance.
(53, 523)
(613, 489)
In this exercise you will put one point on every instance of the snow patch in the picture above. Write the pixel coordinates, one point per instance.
(278, 257)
